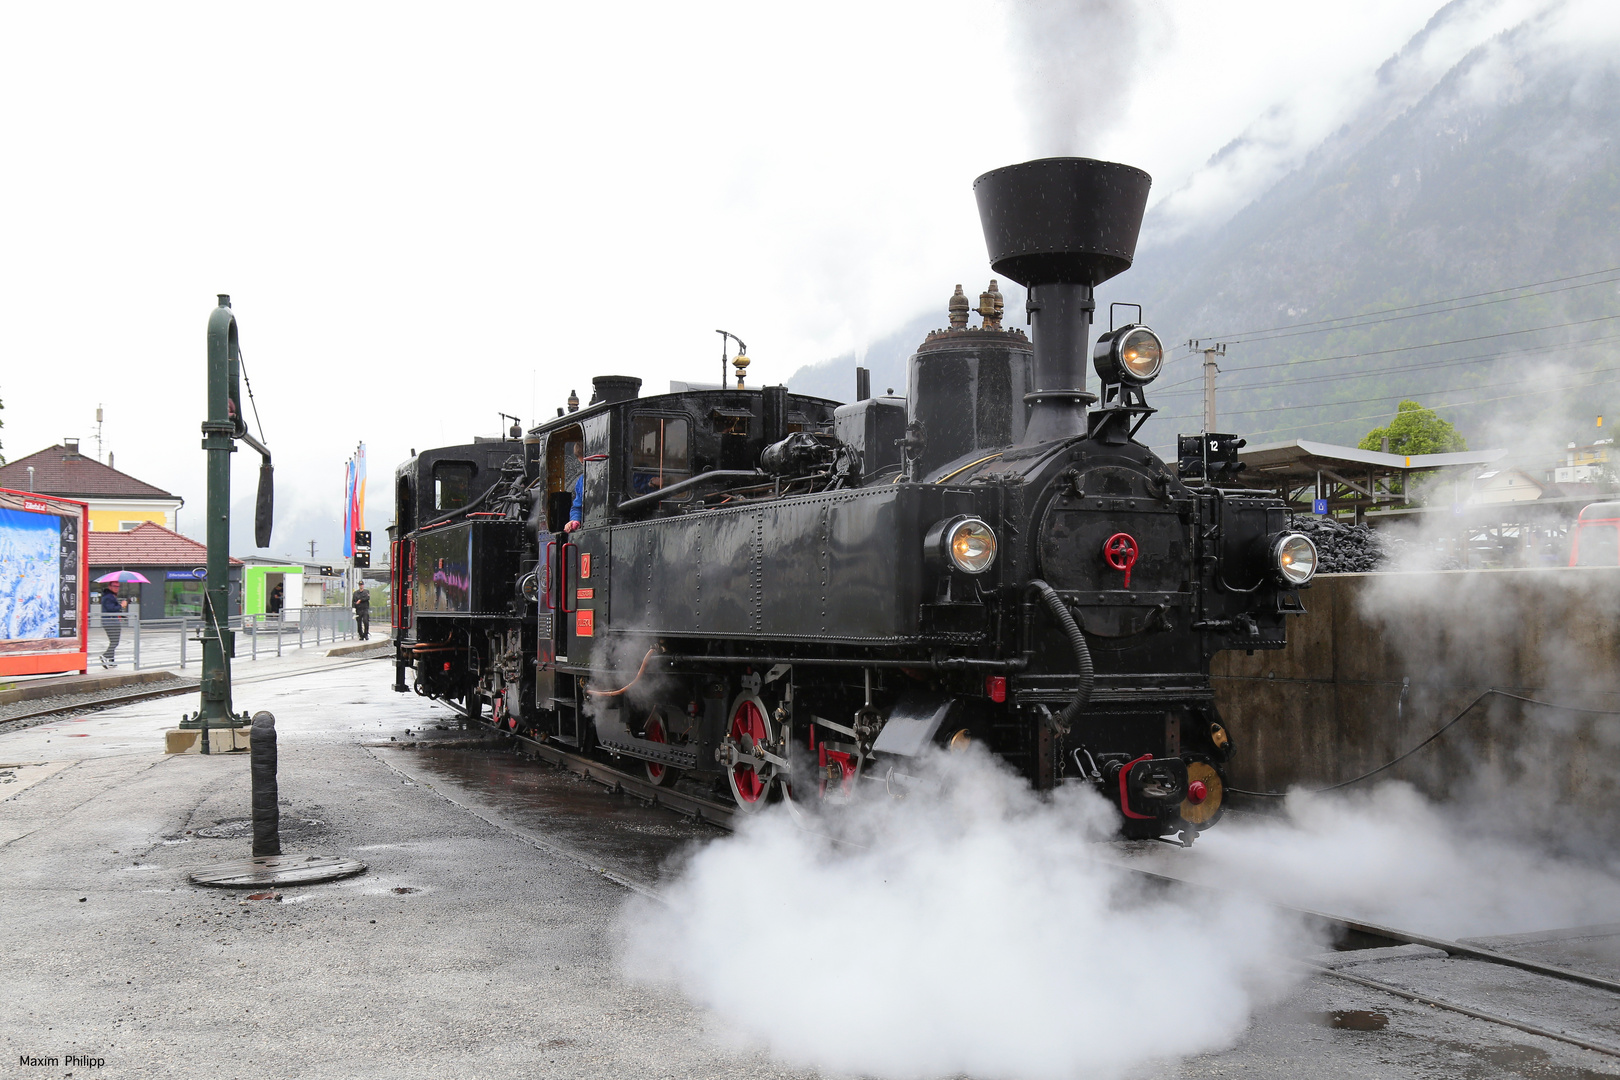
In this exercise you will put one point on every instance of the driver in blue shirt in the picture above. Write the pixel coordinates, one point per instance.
(576, 512)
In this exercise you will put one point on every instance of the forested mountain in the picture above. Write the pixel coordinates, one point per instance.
(1502, 170)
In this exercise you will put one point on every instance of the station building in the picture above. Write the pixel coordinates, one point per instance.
(118, 502)
(175, 567)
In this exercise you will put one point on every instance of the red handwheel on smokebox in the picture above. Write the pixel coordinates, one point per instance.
(1120, 551)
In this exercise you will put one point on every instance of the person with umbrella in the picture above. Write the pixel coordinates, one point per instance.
(112, 612)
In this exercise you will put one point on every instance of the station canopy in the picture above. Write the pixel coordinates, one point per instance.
(1346, 476)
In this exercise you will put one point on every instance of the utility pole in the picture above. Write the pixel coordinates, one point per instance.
(312, 551)
(1210, 368)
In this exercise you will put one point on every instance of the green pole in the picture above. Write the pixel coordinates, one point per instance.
(220, 430)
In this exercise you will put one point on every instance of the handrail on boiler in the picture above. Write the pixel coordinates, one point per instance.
(700, 480)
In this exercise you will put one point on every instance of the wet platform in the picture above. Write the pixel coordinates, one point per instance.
(483, 939)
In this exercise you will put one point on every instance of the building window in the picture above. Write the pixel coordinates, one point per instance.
(125, 526)
(183, 597)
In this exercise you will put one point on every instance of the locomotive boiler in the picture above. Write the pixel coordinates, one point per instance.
(775, 596)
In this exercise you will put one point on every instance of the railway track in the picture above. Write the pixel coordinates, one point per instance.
(98, 704)
(1349, 934)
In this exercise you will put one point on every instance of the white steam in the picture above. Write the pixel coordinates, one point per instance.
(1391, 856)
(1078, 59)
(975, 929)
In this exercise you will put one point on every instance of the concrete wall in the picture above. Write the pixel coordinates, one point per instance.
(1332, 705)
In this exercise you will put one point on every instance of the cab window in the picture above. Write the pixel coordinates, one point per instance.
(660, 453)
(452, 484)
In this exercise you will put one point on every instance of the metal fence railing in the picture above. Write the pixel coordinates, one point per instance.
(174, 642)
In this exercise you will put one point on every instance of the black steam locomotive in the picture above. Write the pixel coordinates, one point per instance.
(779, 596)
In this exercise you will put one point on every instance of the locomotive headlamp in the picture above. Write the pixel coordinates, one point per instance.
(1132, 354)
(1294, 557)
(966, 543)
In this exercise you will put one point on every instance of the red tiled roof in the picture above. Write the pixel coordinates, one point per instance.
(59, 471)
(148, 544)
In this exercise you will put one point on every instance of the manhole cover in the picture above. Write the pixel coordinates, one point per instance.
(278, 870)
(227, 830)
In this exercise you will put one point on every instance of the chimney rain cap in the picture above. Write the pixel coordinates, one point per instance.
(1062, 220)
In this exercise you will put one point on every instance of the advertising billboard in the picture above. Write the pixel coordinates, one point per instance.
(44, 584)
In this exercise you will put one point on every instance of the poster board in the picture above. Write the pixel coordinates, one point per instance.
(44, 584)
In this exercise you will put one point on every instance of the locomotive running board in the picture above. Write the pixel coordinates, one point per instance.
(657, 753)
(687, 805)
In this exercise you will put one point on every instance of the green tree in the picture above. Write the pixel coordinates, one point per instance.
(1415, 430)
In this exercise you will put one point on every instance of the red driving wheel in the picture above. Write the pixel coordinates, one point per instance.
(748, 729)
(662, 775)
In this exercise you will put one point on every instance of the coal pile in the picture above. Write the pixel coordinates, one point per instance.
(1345, 549)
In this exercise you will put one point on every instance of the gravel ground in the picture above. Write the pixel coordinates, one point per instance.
(80, 702)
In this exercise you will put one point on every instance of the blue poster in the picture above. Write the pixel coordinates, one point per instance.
(30, 575)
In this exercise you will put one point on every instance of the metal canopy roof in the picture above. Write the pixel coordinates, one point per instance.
(1301, 459)
(1347, 477)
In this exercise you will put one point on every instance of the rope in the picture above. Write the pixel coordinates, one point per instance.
(242, 361)
(1439, 732)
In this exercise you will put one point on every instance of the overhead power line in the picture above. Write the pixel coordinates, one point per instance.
(1399, 394)
(1440, 405)
(1370, 315)
(1426, 365)
(1425, 345)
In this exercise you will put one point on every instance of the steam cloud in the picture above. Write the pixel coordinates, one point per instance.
(970, 929)
(1393, 857)
(1077, 57)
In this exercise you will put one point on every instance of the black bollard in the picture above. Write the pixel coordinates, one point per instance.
(266, 811)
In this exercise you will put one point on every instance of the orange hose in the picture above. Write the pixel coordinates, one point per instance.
(642, 671)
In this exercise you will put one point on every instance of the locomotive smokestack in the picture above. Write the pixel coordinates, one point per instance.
(1061, 227)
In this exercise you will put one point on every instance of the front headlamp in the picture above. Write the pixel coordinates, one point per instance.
(966, 543)
(1132, 354)
(1293, 558)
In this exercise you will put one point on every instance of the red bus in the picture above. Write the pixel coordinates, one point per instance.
(1597, 536)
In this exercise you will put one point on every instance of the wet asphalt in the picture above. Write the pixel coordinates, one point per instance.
(483, 939)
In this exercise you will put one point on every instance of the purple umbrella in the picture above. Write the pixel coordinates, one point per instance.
(123, 575)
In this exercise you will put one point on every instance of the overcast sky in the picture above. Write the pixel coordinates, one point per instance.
(428, 215)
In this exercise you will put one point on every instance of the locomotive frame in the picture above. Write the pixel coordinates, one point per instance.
(777, 596)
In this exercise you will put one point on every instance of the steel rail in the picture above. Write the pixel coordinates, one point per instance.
(692, 806)
(1397, 936)
(170, 691)
(103, 703)
(1465, 1010)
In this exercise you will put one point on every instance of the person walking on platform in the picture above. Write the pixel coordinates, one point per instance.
(362, 612)
(112, 621)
